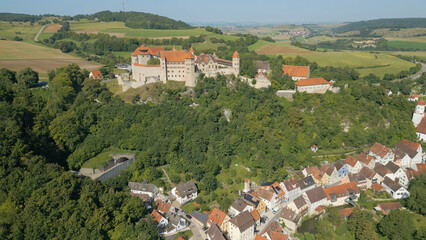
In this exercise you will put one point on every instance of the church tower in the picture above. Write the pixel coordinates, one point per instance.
(236, 63)
(419, 113)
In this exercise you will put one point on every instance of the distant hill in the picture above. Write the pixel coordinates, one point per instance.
(18, 17)
(137, 20)
(382, 23)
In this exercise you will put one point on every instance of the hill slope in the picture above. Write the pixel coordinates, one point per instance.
(382, 23)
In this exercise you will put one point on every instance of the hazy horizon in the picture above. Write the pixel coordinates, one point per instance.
(235, 12)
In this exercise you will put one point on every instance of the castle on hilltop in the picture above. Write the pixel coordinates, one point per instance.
(178, 65)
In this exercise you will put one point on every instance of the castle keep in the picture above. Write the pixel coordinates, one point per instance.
(178, 66)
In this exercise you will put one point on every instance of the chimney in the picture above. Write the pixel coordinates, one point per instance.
(397, 180)
(246, 185)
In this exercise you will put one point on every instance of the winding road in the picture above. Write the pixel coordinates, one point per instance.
(39, 32)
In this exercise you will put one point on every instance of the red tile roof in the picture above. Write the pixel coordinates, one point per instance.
(421, 128)
(235, 55)
(341, 190)
(143, 65)
(346, 212)
(162, 207)
(216, 216)
(421, 102)
(387, 206)
(260, 237)
(263, 75)
(380, 149)
(377, 187)
(351, 160)
(97, 74)
(157, 216)
(278, 236)
(296, 71)
(364, 158)
(320, 208)
(176, 56)
(255, 214)
(311, 81)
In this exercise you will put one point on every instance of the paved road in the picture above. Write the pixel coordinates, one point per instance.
(272, 217)
(40, 31)
(197, 231)
(419, 74)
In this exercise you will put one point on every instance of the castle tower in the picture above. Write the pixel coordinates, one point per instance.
(191, 50)
(190, 76)
(246, 185)
(236, 63)
(419, 113)
(174, 48)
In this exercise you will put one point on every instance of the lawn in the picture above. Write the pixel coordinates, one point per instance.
(23, 30)
(18, 55)
(102, 158)
(407, 45)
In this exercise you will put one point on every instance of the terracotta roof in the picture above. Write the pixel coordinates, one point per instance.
(328, 169)
(364, 158)
(243, 221)
(176, 56)
(421, 102)
(162, 207)
(155, 51)
(311, 81)
(260, 237)
(255, 215)
(144, 65)
(318, 175)
(421, 167)
(416, 96)
(235, 55)
(157, 216)
(97, 74)
(320, 208)
(263, 65)
(368, 173)
(310, 170)
(291, 184)
(377, 187)
(180, 238)
(408, 147)
(314, 146)
(351, 160)
(387, 206)
(264, 74)
(346, 212)
(359, 178)
(265, 194)
(273, 227)
(342, 190)
(278, 236)
(217, 216)
(380, 149)
(421, 128)
(191, 50)
(316, 194)
(296, 71)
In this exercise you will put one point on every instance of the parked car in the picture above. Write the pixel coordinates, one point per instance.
(188, 216)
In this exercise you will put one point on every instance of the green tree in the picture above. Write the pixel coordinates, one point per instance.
(398, 225)
(28, 77)
(417, 200)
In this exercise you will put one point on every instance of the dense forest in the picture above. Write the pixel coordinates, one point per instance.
(18, 17)
(136, 20)
(382, 23)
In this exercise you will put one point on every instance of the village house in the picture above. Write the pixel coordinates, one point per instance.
(315, 197)
(143, 188)
(261, 80)
(359, 179)
(219, 218)
(256, 217)
(395, 189)
(386, 207)
(263, 67)
(413, 98)
(421, 130)
(214, 233)
(411, 153)
(341, 168)
(162, 206)
(95, 75)
(382, 172)
(313, 85)
(200, 218)
(299, 205)
(419, 113)
(292, 188)
(242, 226)
(366, 160)
(330, 170)
(239, 206)
(320, 178)
(397, 172)
(290, 218)
(353, 165)
(338, 195)
(382, 153)
(371, 176)
(268, 197)
(274, 232)
(306, 184)
(377, 188)
(346, 212)
(185, 192)
(314, 148)
(256, 202)
(279, 193)
(159, 219)
(296, 72)
(176, 222)
(308, 171)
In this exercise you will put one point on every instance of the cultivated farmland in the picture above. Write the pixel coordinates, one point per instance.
(24, 30)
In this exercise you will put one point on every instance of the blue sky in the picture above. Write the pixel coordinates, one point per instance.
(233, 11)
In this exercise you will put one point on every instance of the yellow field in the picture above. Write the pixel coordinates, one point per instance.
(19, 55)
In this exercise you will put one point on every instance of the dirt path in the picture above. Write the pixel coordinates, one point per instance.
(40, 31)
(171, 183)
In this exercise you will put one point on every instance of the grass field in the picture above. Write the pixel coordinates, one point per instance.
(407, 45)
(23, 30)
(18, 55)
(102, 158)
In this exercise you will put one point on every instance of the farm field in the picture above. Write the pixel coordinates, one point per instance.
(407, 45)
(120, 30)
(24, 30)
(18, 55)
(52, 28)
